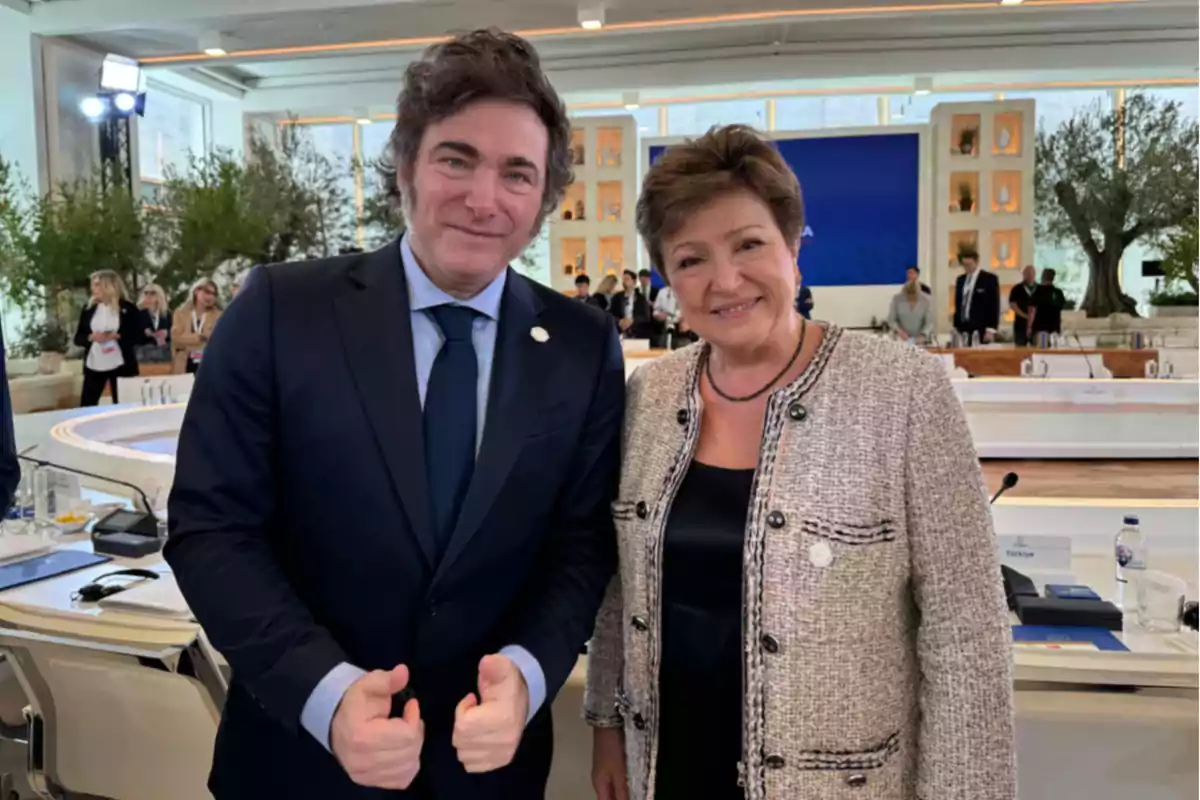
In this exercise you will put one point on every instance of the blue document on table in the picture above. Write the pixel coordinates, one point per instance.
(1063, 637)
(38, 568)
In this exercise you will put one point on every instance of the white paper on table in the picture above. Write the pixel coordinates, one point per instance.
(160, 596)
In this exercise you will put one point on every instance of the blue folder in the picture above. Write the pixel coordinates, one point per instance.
(1064, 635)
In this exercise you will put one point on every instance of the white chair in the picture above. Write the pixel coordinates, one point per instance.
(111, 727)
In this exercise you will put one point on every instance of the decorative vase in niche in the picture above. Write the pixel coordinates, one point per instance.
(1003, 197)
(1003, 252)
(1003, 139)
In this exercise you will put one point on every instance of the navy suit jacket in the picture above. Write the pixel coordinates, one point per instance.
(300, 524)
(10, 469)
(985, 307)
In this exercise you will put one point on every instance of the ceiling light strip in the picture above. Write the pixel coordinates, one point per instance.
(616, 27)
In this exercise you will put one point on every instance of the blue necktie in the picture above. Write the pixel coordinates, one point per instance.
(451, 416)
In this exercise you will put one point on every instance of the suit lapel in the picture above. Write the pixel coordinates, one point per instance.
(512, 400)
(374, 320)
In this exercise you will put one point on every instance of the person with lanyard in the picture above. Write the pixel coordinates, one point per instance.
(109, 330)
(1022, 301)
(193, 325)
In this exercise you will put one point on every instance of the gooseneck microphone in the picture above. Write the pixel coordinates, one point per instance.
(41, 462)
(1083, 352)
(1010, 480)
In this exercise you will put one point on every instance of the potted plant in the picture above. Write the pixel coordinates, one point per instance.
(1172, 302)
(966, 200)
(46, 341)
(966, 141)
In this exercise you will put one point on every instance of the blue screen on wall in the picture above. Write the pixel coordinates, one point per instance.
(860, 204)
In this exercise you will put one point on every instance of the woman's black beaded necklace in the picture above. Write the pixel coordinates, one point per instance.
(772, 382)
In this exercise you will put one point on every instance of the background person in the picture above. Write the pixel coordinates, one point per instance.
(109, 331)
(193, 326)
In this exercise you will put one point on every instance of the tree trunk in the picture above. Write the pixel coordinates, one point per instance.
(1104, 295)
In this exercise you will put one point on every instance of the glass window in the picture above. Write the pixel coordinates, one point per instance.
(336, 143)
(646, 117)
(842, 111)
(916, 109)
(1056, 106)
(1187, 96)
(693, 119)
(172, 128)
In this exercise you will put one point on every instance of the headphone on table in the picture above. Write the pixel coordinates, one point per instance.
(99, 589)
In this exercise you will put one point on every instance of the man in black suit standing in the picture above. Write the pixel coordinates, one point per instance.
(633, 311)
(976, 300)
(391, 500)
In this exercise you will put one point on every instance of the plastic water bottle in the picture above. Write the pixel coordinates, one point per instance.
(1132, 555)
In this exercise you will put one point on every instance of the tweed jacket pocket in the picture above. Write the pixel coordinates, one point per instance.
(876, 771)
(851, 533)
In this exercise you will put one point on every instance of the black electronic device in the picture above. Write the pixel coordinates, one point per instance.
(1016, 585)
(1153, 269)
(1068, 613)
(128, 534)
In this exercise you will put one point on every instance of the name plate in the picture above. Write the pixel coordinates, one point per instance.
(1035, 552)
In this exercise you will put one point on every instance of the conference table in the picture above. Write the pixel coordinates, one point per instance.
(1005, 362)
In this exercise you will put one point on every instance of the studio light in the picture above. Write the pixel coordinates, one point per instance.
(363, 117)
(631, 100)
(92, 107)
(120, 74)
(591, 17)
(1011, 2)
(923, 86)
(125, 102)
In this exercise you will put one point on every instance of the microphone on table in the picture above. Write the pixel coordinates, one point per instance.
(1010, 480)
(1083, 352)
(41, 462)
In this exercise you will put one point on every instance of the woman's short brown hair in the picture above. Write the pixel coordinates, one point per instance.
(481, 65)
(726, 159)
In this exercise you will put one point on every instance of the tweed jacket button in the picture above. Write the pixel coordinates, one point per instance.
(770, 643)
(639, 722)
(797, 412)
(776, 519)
(856, 780)
(639, 625)
(681, 416)
(642, 509)
(775, 762)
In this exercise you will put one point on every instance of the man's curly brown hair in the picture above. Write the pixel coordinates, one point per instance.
(484, 64)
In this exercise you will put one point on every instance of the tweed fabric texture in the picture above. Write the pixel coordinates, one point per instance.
(877, 650)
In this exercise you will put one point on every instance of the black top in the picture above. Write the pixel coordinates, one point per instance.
(1023, 296)
(129, 328)
(1050, 301)
(700, 676)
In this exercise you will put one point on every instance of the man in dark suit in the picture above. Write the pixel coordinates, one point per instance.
(976, 300)
(634, 313)
(10, 469)
(392, 489)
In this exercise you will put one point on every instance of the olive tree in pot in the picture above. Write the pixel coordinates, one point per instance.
(1106, 178)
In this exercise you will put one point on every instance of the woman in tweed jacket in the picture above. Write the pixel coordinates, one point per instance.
(808, 605)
